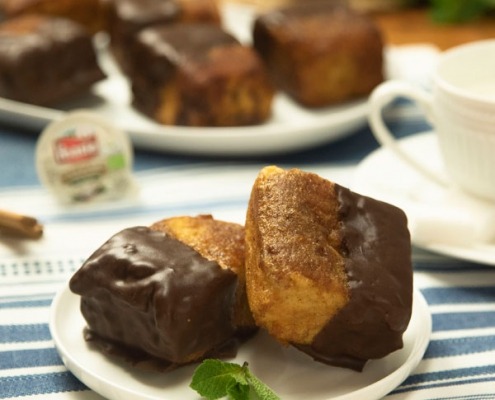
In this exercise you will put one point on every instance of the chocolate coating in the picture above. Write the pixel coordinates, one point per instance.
(144, 12)
(377, 252)
(198, 75)
(44, 60)
(127, 17)
(168, 47)
(86, 12)
(154, 297)
(327, 270)
(185, 43)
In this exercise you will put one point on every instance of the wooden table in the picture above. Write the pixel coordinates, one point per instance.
(414, 25)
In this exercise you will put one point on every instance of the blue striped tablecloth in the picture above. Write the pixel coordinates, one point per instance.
(459, 362)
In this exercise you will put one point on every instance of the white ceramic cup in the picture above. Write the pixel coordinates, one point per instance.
(461, 109)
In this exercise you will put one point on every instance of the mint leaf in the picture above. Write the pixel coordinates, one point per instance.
(261, 390)
(239, 392)
(214, 379)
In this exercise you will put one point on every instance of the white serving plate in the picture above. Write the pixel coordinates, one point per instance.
(290, 128)
(292, 374)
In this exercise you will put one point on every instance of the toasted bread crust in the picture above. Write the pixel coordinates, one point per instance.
(219, 241)
(295, 275)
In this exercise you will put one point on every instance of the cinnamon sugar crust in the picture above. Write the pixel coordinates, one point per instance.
(295, 275)
(320, 53)
(219, 241)
(328, 270)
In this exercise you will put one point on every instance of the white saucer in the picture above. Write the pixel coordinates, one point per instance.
(441, 220)
(292, 374)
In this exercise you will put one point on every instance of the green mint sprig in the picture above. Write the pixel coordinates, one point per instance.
(453, 11)
(214, 379)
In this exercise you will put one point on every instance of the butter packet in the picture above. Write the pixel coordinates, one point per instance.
(83, 158)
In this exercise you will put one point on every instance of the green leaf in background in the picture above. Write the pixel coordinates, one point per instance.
(454, 11)
(214, 379)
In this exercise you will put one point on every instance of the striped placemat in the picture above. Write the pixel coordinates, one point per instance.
(458, 364)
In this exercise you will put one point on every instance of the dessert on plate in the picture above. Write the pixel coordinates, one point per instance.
(327, 270)
(320, 53)
(45, 60)
(86, 12)
(222, 242)
(198, 75)
(317, 266)
(161, 298)
(125, 18)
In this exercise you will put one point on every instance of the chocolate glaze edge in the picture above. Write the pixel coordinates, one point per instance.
(175, 48)
(377, 250)
(46, 41)
(147, 313)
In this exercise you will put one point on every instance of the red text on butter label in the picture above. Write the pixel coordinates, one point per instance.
(72, 149)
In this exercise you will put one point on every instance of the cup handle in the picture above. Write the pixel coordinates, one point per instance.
(382, 96)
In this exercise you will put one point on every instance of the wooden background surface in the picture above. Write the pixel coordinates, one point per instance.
(410, 25)
(415, 26)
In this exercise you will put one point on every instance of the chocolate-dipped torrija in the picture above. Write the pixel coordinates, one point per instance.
(320, 52)
(327, 270)
(198, 75)
(88, 13)
(218, 241)
(156, 301)
(127, 17)
(45, 60)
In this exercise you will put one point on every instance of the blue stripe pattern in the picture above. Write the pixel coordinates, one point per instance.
(445, 265)
(459, 295)
(34, 268)
(450, 374)
(29, 358)
(24, 333)
(442, 348)
(450, 323)
(460, 346)
(463, 320)
(25, 303)
(27, 385)
(451, 383)
(456, 321)
(486, 396)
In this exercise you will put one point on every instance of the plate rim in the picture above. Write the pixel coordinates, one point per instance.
(284, 137)
(420, 313)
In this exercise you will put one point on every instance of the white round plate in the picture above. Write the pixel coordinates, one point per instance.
(442, 220)
(291, 127)
(292, 374)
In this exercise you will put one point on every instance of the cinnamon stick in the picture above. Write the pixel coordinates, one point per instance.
(20, 224)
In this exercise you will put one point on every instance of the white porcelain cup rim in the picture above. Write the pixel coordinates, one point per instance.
(447, 86)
